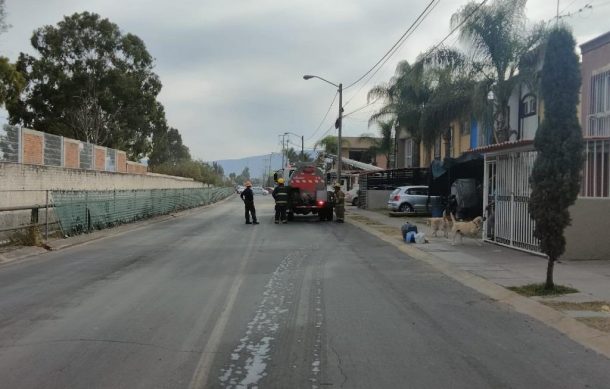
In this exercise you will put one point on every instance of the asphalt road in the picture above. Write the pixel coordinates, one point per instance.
(207, 301)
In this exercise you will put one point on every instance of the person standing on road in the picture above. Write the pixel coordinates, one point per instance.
(280, 194)
(339, 203)
(248, 197)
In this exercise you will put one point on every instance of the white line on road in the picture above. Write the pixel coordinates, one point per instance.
(200, 376)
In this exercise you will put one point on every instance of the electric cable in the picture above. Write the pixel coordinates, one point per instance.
(402, 37)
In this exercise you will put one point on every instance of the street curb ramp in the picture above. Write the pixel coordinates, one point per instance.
(581, 333)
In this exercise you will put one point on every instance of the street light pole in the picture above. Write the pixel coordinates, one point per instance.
(339, 157)
(340, 126)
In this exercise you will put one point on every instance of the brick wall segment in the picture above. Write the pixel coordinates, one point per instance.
(121, 162)
(33, 147)
(100, 158)
(71, 153)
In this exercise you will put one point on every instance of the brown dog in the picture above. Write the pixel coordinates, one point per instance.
(440, 224)
(471, 229)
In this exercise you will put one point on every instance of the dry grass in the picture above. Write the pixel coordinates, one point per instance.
(594, 306)
(599, 323)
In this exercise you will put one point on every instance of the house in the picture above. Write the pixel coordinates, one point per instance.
(508, 166)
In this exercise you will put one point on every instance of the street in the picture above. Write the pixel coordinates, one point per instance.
(204, 300)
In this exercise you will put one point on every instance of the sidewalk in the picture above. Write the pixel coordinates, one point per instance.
(498, 264)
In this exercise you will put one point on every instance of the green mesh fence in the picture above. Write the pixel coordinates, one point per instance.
(83, 211)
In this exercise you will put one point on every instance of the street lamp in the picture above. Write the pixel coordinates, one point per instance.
(340, 90)
(302, 143)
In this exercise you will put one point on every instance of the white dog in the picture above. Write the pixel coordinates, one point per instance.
(440, 224)
(471, 229)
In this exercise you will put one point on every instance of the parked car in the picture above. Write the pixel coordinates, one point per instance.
(258, 190)
(351, 196)
(239, 188)
(412, 199)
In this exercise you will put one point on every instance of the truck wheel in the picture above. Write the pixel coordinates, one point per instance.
(290, 216)
(329, 214)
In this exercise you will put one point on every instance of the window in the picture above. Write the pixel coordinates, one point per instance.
(599, 105)
(408, 152)
(528, 105)
(437, 149)
(465, 128)
(596, 171)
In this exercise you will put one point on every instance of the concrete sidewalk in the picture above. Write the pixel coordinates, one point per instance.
(501, 265)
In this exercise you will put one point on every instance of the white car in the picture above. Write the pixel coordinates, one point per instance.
(258, 190)
(412, 199)
(351, 196)
(240, 188)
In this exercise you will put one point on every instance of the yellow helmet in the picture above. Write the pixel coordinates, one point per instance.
(280, 180)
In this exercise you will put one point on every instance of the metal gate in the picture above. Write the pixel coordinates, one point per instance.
(507, 192)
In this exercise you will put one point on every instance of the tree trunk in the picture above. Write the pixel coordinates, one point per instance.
(549, 274)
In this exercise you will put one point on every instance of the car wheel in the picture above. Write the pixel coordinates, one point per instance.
(406, 208)
(355, 201)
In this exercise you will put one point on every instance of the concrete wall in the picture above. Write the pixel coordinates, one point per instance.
(26, 184)
(377, 199)
(587, 237)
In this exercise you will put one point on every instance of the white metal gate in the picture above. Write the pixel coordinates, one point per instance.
(507, 192)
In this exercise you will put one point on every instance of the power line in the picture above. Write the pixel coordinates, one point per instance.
(482, 3)
(393, 52)
(325, 116)
(389, 52)
(430, 51)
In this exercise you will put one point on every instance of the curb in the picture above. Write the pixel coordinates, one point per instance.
(60, 244)
(581, 333)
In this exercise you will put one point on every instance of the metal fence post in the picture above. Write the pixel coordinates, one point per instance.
(46, 217)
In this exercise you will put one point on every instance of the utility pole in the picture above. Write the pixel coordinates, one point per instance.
(302, 148)
(557, 17)
(339, 158)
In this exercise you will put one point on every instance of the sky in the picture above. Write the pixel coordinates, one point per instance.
(232, 69)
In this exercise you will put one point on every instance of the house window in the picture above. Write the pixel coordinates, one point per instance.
(599, 105)
(408, 152)
(528, 105)
(596, 171)
(465, 128)
(437, 148)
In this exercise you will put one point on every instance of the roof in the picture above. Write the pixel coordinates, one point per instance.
(595, 43)
(521, 143)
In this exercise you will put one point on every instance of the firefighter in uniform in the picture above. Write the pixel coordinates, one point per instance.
(248, 197)
(280, 194)
(339, 203)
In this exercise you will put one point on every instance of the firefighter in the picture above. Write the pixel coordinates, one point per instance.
(280, 194)
(339, 203)
(248, 197)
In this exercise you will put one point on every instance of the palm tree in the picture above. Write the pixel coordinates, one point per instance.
(498, 37)
(384, 144)
(425, 97)
(405, 96)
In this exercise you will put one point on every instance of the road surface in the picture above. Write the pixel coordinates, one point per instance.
(204, 300)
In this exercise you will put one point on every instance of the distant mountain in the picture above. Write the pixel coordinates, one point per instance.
(257, 164)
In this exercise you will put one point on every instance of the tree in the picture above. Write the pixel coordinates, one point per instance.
(292, 155)
(383, 145)
(404, 97)
(11, 81)
(91, 82)
(555, 176)
(499, 37)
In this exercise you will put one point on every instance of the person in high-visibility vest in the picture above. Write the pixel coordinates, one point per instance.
(280, 194)
(339, 203)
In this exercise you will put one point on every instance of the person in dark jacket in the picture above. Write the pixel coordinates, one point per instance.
(280, 194)
(248, 197)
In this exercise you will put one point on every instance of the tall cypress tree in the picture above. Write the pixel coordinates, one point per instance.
(555, 177)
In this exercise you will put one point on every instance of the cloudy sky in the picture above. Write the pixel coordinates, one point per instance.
(232, 69)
